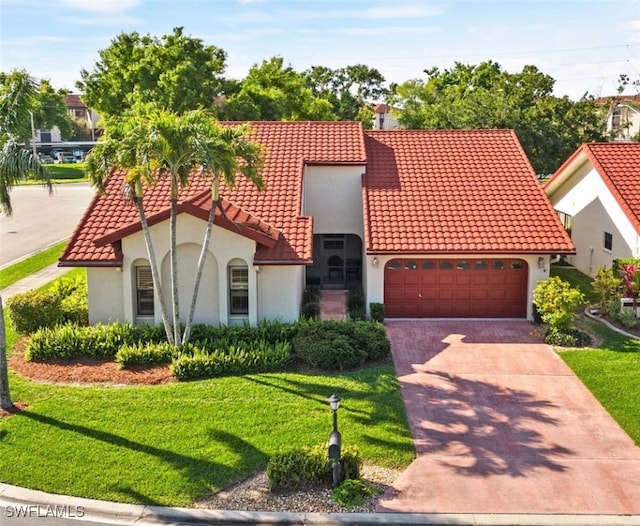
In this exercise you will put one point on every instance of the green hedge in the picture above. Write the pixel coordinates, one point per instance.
(65, 302)
(310, 466)
(335, 345)
(259, 357)
(148, 353)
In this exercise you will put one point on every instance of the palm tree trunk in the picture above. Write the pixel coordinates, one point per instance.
(155, 274)
(174, 271)
(199, 271)
(5, 395)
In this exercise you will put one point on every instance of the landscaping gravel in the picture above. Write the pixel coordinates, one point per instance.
(252, 494)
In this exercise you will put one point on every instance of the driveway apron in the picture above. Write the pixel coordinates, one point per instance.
(502, 425)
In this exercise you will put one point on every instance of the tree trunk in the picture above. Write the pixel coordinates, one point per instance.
(5, 395)
(199, 271)
(155, 274)
(174, 272)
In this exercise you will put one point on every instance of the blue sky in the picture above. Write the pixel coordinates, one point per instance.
(583, 44)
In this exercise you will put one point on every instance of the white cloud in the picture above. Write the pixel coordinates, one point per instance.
(101, 6)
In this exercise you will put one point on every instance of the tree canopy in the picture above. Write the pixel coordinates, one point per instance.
(550, 128)
(175, 72)
(21, 96)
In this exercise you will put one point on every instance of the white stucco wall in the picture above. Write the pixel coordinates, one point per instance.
(333, 196)
(595, 211)
(279, 292)
(374, 274)
(105, 292)
(213, 298)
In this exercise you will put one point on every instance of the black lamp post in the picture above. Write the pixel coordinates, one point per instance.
(335, 440)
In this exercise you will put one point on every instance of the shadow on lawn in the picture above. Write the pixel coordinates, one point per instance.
(201, 472)
(496, 428)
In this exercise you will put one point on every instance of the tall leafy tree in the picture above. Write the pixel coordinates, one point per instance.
(550, 128)
(151, 143)
(17, 98)
(47, 105)
(275, 92)
(348, 89)
(175, 72)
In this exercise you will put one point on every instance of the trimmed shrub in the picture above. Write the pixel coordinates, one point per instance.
(70, 341)
(355, 300)
(556, 301)
(149, 353)
(33, 310)
(199, 363)
(310, 311)
(376, 311)
(310, 465)
(325, 346)
(608, 287)
(335, 345)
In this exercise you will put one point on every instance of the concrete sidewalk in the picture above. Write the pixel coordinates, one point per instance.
(34, 281)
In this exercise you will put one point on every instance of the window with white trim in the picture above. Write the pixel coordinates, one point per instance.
(144, 291)
(239, 290)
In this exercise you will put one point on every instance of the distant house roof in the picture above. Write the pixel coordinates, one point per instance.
(618, 164)
(74, 101)
(423, 191)
(456, 191)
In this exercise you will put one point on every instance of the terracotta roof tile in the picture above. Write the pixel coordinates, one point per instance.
(619, 166)
(277, 210)
(455, 191)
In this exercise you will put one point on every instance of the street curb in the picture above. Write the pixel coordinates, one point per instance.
(39, 504)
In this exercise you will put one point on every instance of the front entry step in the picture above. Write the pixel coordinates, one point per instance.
(333, 305)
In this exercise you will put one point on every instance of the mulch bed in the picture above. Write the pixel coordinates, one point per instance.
(87, 371)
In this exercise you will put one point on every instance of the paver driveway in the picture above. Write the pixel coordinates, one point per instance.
(502, 425)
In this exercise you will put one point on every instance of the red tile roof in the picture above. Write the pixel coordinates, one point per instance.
(448, 191)
(618, 164)
(424, 191)
(289, 146)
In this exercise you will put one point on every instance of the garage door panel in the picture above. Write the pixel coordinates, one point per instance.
(456, 288)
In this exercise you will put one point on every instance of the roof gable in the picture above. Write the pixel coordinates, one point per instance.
(437, 191)
(619, 167)
(272, 214)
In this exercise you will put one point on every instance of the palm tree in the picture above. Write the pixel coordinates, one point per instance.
(16, 163)
(151, 144)
(227, 152)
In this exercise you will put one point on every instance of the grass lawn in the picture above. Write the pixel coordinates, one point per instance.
(170, 444)
(610, 371)
(9, 275)
(73, 172)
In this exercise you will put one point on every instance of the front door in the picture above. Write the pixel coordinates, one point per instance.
(337, 262)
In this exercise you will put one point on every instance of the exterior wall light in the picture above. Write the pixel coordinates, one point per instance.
(374, 262)
(541, 262)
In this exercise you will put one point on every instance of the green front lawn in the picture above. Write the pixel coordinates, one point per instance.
(611, 373)
(9, 275)
(73, 172)
(170, 444)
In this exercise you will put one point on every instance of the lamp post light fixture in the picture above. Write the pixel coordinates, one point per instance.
(335, 440)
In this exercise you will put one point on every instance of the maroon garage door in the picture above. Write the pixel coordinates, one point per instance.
(452, 288)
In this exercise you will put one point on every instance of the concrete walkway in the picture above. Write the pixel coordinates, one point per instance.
(502, 426)
(34, 281)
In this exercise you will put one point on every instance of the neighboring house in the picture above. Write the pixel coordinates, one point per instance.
(623, 119)
(78, 111)
(596, 193)
(431, 223)
(383, 119)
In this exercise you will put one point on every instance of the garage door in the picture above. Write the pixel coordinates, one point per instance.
(456, 288)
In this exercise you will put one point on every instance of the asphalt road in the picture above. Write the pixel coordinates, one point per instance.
(40, 219)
